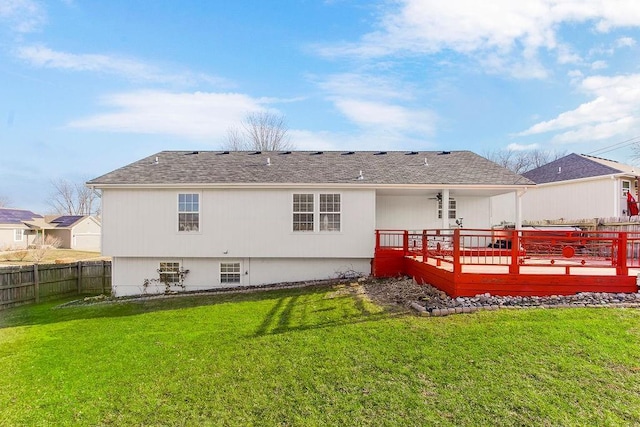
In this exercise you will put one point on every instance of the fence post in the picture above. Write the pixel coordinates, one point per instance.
(79, 275)
(36, 282)
(377, 240)
(104, 274)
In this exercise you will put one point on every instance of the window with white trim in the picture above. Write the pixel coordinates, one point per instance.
(626, 187)
(188, 212)
(169, 272)
(303, 211)
(229, 272)
(18, 235)
(329, 212)
(452, 209)
(325, 207)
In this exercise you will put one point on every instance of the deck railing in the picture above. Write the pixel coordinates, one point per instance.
(557, 251)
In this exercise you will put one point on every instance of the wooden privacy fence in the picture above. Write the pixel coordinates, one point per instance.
(34, 283)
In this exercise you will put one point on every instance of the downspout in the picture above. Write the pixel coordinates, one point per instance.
(519, 194)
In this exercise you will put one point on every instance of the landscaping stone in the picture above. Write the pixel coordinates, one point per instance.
(405, 291)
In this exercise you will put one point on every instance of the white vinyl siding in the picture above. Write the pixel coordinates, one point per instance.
(18, 235)
(238, 223)
(188, 212)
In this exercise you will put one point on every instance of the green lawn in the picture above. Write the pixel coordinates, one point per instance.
(315, 356)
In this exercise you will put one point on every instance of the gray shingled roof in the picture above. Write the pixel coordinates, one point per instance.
(307, 167)
(572, 166)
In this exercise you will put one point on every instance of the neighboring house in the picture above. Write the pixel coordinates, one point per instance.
(14, 233)
(80, 232)
(577, 187)
(20, 229)
(217, 219)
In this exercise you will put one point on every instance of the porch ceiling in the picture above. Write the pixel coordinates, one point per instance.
(453, 192)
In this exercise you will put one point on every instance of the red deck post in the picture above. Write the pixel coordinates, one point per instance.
(456, 251)
(514, 267)
(405, 243)
(424, 245)
(377, 240)
(621, 265)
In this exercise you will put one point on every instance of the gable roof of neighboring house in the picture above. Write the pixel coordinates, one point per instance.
(16, 216)
(577, 166)
(308, 167)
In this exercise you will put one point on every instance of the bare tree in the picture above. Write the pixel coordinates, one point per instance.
(263, 131)
(4, 202)
(523, 161)
(70, 198)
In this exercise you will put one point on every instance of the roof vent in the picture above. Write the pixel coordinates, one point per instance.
(223, 153)
(255, 152)
(284, 153)
(559, 169)
(411, 153)
(380, 153)
(155, 162)
(360, 176)
(426, 163)
(317, 153)
(348, 153)
(192, 153)
(268, 161)
(444, 152)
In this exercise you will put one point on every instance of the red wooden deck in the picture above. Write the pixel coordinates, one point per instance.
(464, 262)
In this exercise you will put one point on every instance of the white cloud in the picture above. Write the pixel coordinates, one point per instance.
(22, 16)
(363, 85)
(387, 117)
(613, 111)
(522, 147)
(42, 56)
(514, 31)
(625, 42)
(198, 115)
(380, 104)
(599, 65)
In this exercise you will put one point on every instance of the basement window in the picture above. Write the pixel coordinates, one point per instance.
(169, 272)
(230, 272)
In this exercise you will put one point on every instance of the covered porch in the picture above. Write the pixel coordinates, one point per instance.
(468, 262)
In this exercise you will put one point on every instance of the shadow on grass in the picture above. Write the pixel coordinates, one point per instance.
(288, 302)
(292, 313)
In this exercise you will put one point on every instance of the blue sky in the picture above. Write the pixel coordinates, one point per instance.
(87, 87)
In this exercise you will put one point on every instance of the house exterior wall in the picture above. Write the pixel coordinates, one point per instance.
(7, 238)
(571, 200)
(237, 223)
(419, 212)
(63, 235)
(131, 273)
(86, 235)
